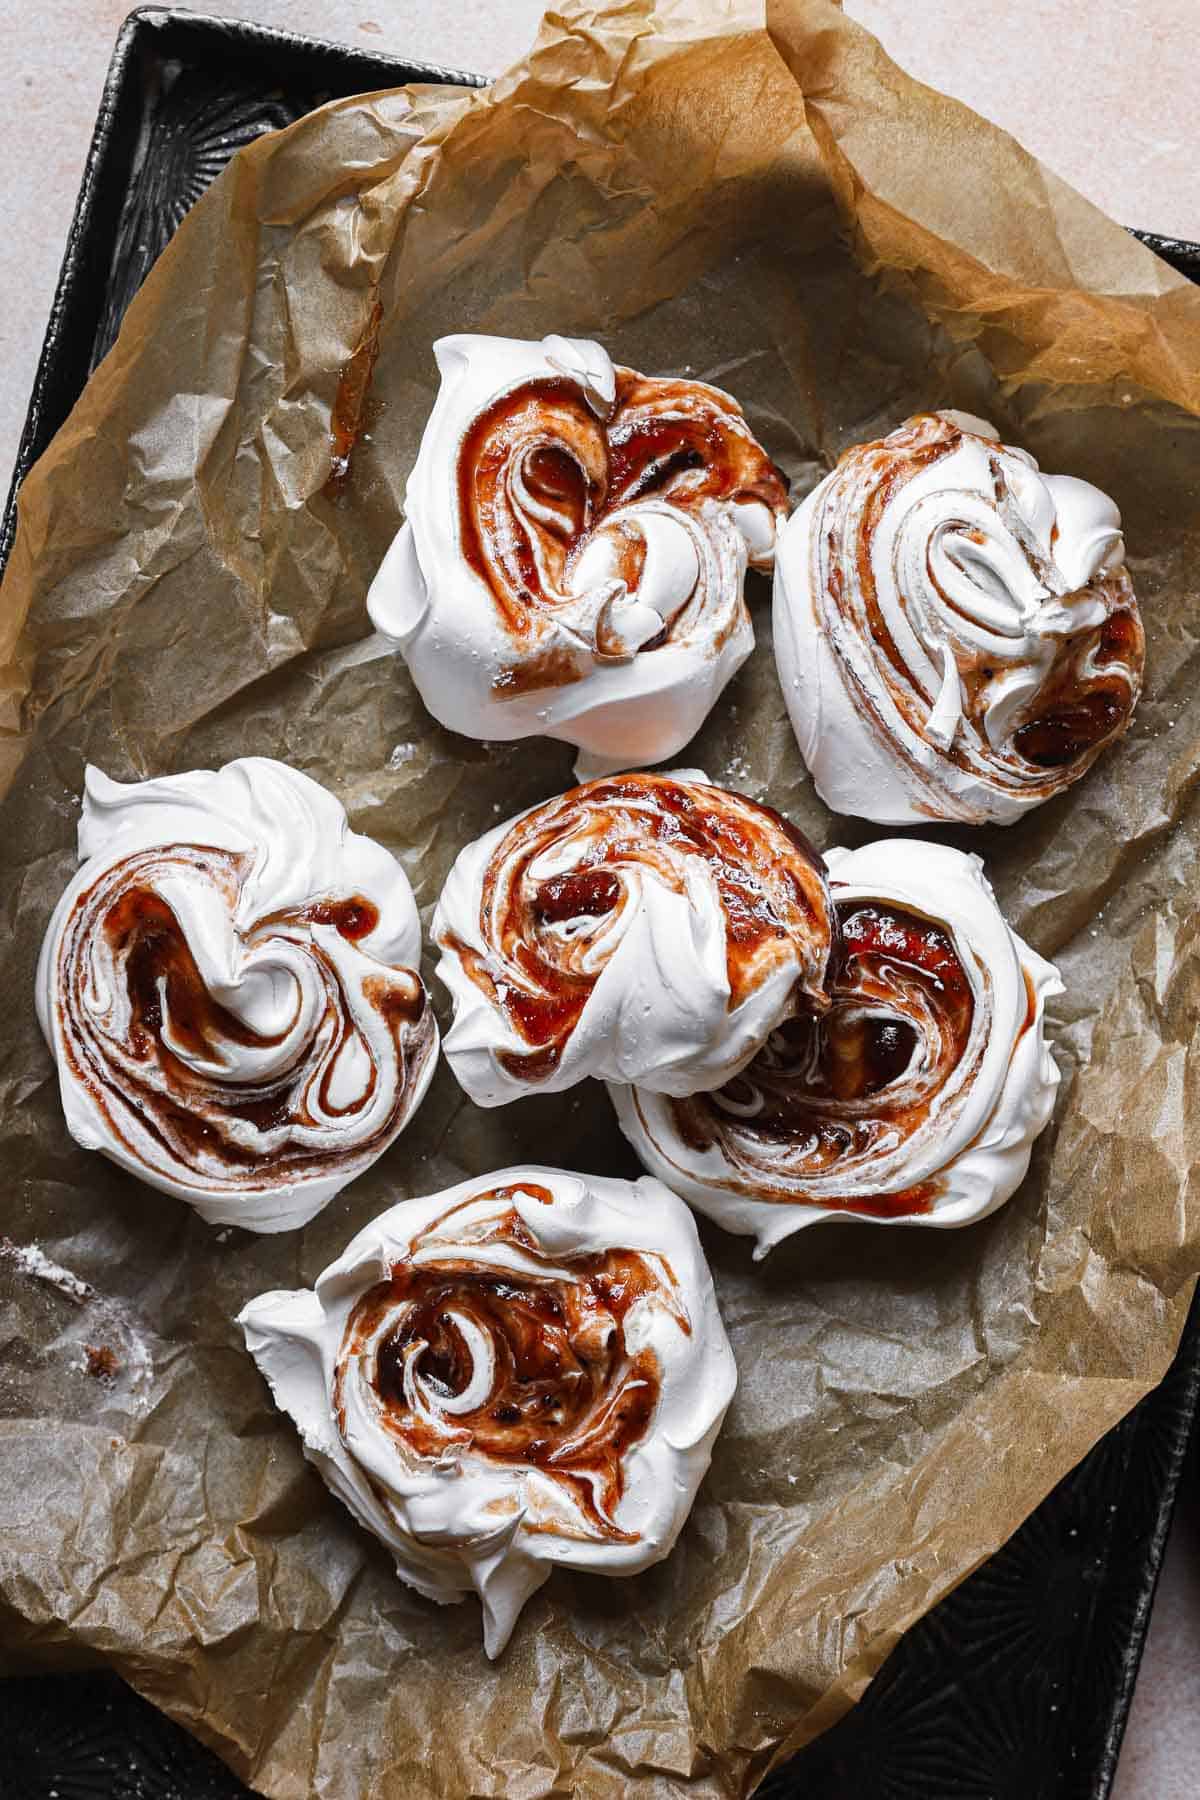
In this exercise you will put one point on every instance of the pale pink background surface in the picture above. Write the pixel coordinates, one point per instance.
(1107, 93)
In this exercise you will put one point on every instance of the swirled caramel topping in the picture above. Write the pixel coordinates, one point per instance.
(564, 887)
(1089, 697)
(979, 616)
(522, 1362)
(604, 517)
(231, 1055)
(829, 1095)
(573, 558)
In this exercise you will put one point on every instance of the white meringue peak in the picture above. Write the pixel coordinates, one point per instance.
(956, 633)
(914, 1101)
(574, 549)
(525, 1370)
(229, 988)
(642, 927)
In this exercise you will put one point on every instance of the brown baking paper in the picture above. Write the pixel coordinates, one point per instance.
(775, 207)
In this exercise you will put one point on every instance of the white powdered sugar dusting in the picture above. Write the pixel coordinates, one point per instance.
(31, 1259)
(119, 1356)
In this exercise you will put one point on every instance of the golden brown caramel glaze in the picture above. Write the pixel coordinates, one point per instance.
(143, 1031)
(539, 472)
(355, 918)
(612, 832)
(826, 1092)
(564, 1393)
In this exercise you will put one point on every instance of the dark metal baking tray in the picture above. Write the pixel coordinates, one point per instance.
(1017, 1687)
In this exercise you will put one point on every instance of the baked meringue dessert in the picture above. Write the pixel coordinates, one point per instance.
(229, 987)
(956, 633)
(526, 1370)
(914, 1100)
(649, 928)
(574, 551)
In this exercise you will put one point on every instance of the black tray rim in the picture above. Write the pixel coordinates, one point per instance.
(214, 32)
(134, 34)
(1185, 1370)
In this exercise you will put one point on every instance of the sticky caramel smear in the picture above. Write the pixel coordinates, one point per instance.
(911, 1203)
(355, 918)
(349, 404)
(101, 1362)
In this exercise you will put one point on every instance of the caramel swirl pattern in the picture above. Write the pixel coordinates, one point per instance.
(526, 1370)
(525, 1364)
(613, 525)
(249, 1056)
(575, 546)
(915, 1098)
(957, 633)
(642, 927)
(827, 1101)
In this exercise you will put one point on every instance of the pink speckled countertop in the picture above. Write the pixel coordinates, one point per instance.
(1107, 94)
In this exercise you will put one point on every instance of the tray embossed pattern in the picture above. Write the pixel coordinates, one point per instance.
(1019, 1683)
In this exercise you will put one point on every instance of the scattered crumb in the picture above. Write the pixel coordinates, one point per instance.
(737, 769)
(100, 1362)
(132, 1361)
(32, 1260)
(371, 25)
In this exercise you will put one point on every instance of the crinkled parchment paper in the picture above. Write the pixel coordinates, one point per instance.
(772, 205)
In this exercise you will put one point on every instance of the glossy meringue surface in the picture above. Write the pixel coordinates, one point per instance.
(574, 550)
(914, 1101)
(229, 987)
(527, 1369)
(956, 633)
(641, 927)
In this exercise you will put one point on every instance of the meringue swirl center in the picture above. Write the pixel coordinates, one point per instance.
(565, 886)
(977, 606)
(227, 1055)
(827, 1097)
